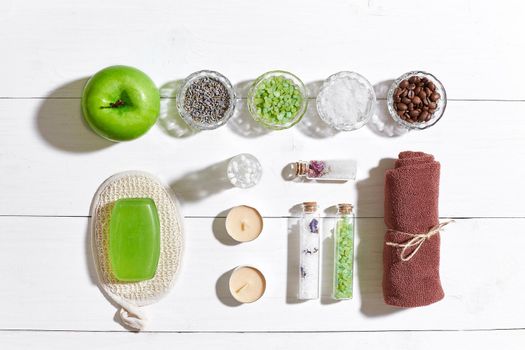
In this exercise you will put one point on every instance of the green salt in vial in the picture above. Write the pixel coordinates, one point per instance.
(134, 239)
(344, 253)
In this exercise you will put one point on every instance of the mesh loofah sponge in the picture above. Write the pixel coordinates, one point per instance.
(132, 296)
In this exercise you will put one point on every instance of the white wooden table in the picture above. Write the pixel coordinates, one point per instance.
(52, 164)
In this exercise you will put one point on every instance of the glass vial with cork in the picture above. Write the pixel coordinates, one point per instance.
(310, 251)
(344, 252)
(330, 170)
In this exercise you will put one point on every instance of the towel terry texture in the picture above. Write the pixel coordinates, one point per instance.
(411, 206)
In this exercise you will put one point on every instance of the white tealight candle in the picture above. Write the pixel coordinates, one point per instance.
(247, 284)
(244, 223)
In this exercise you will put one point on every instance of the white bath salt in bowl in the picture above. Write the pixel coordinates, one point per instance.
(346, 101)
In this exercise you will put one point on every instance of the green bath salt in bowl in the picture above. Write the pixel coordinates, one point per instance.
(277, 100)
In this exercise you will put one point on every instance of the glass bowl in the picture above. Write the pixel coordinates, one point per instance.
(181, 95)
(441, 103)
(244, 170)
(335, 118)
(293, 119)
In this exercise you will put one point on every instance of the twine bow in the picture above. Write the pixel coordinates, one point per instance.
(416, 240)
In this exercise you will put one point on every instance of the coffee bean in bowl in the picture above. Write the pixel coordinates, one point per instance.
(416, 100)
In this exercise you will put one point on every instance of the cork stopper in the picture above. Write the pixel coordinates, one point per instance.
(301, 168)
(345, 208)
(309, 207)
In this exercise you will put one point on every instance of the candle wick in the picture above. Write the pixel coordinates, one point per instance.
(241, 288)
(244, 225)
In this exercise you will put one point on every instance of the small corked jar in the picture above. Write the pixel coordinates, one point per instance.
(206, 100)
(416, 100)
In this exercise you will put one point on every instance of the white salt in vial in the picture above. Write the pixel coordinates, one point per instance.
(310, 250)
(346, 101)
(244, 171)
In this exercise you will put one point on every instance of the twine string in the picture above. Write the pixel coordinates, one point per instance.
(416, 240)
(131, 315)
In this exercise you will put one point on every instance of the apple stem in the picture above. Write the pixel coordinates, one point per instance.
(117, 104)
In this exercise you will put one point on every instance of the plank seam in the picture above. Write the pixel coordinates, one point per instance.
(265, 217)
(244, 98)
(24, 330)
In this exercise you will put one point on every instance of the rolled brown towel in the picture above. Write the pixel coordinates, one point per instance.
(411, 273)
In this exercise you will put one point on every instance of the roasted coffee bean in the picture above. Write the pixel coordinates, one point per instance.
(416, 99)
(434, 97)
(414, 79)
(415, 113)
(401, 107)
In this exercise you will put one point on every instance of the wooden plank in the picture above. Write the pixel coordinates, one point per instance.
(509, 340)
(475, 48)
(49, 283)
(52, 164)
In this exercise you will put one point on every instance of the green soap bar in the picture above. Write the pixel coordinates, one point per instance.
(134, 239)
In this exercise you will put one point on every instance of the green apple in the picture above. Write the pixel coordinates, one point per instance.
(120, 103)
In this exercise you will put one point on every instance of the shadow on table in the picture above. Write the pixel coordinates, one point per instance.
(60, 123)
(219, 229)
(242, 122)
(199, 184)
(222, 290)
(369, 253)
(382, 122)
(90, 262)
(289, 173)
(170, 120)
(311, 124)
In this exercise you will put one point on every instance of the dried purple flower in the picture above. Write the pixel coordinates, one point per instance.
(316, 168)
(314, 226)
